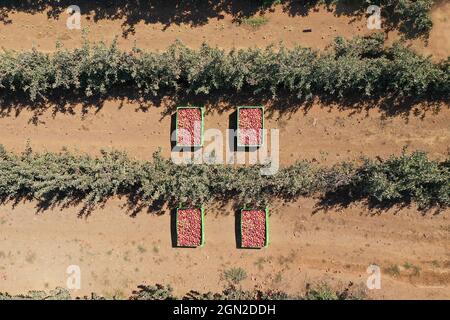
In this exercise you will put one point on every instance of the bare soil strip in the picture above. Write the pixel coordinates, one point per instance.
(323, 133)
(117, 252)
(42, 28)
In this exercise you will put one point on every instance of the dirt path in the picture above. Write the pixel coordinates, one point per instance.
(116, 252)
(27, 29)
(327, 135)
(156, 31)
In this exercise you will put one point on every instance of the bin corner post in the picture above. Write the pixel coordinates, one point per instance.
(267, 226)
(202, 212)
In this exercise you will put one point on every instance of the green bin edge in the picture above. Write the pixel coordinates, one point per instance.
(202, 210)
(237, 124)
(202, 109)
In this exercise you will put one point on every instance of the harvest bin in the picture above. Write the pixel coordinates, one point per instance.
(245, 233)
(248, 139)
(179, 225)
(181, 123)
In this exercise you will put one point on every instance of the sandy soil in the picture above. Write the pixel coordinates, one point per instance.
(117, 252)
(222, 31)
(41, 29)
(322, 133)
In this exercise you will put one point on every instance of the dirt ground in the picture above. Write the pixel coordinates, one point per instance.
(222, 31)
(41, 29)
(322, 133)
(117, 252)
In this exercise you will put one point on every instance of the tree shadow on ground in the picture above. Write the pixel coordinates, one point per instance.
(283, 105)
(132, 12)
(326, 203)
(342, 199)
(192, 12)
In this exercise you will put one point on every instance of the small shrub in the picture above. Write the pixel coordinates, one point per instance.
(393, 270)
(234, 275)
(255, 21)
(322, 292)
(156, 292)
(56, 294)
(415, 270)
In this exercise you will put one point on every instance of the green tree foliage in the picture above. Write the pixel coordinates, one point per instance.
(64, 178)
(407, 178)
(412, 16)
(360, 68)
(56, 294)
(156, 292)
(165, 292)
